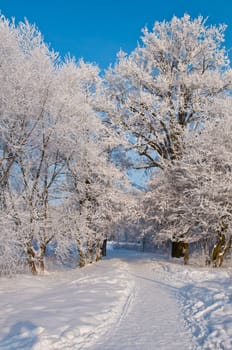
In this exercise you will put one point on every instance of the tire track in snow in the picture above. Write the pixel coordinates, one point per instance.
(126, 307)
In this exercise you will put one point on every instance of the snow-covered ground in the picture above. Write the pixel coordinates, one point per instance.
(129, 300)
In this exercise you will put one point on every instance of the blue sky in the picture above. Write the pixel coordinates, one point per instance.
(96, 30)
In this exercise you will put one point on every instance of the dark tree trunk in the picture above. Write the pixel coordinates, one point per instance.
(186, 253)
(179, 250)
(103, 248)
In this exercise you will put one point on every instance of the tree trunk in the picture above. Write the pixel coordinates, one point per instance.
(222, 254)
(82, 260)
(219, 247)
(103, 248)
(31, 260)
(90, 251)
(42, 257)
(179, 250)
(98, 250)
(186, 253)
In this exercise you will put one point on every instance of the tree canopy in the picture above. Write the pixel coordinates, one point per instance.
(177, 78)
(69, 134)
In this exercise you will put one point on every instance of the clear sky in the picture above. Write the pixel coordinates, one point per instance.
(97, 29)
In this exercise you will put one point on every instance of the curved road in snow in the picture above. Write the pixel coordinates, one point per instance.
(127, 301)
(150, 318)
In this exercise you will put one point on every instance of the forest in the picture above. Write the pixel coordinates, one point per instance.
(72, 137)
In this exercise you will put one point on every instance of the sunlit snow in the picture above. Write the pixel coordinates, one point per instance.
(129, 300)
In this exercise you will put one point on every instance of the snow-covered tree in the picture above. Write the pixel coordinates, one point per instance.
(26, 77)
(191, 199)
(25, 61)
(58, 184)
(97, 188)
(179, 76)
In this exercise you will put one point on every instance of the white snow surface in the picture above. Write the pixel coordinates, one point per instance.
(128, 301)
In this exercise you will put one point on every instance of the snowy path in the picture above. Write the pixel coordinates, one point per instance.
(205, 299)
(128, 301)
(149, 319)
